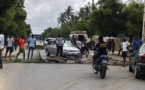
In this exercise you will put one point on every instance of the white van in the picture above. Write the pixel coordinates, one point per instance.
(79, 35)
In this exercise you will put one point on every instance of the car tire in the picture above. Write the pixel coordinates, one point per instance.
(47, 53)
(136, 72)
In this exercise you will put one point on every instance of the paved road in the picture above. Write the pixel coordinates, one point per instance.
(65, 77)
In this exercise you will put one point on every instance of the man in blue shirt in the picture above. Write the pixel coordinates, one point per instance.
(135, 43)
(139, 41)
(31, 46)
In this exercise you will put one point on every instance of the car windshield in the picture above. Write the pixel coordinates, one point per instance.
(68, 44)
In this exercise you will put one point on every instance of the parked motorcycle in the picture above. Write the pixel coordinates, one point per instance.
(100, 65)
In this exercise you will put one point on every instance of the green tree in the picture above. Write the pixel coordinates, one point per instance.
(107, 19)
(12, 18)
(134, 18)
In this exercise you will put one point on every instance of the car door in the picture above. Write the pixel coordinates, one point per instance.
(50, 47)
(54, 49)
(136, 58)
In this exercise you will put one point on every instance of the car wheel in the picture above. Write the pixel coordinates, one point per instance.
(47, 53)
(136, 72)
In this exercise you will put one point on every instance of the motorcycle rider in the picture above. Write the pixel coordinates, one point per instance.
(101, 47)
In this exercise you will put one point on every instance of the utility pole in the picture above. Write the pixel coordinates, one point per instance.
(92, 2)
(143, 26)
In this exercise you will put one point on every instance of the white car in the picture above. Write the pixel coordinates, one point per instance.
(48, 39)
(68, 49)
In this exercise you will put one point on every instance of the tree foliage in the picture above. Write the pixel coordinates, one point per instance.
(106, 17)
(12, 18)
(134, 18)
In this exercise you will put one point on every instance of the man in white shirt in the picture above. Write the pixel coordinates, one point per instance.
(59, 42)
(1, 49)
(10, 42)
(125, 44)
(31, 46)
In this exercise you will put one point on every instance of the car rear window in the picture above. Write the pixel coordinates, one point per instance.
(47, 39)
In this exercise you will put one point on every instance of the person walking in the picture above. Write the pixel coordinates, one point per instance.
(10, 42)
(31, 46)
(1, 49)
(21, 43)
(113, 46)
(59, 42)
(125, 44)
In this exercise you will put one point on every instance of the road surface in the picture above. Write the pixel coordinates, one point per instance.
(66, 77)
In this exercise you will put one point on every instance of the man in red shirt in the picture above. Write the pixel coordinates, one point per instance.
(21, 47)
(16, 42)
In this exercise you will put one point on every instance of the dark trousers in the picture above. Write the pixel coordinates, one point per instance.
(31, 49)
(15, 47)
(8, 49)
(1, 64)
(59, 50)
(113, 49)
(119, 51)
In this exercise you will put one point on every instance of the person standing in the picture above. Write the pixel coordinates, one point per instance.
(16, 42)
(10, 42)
(139, 42)
(21, 47)
(125, 44)
(31, 46)
(59, 42)
(80, 46)
(1, 49)
(135, 43)
(120, 48)
(113, 46)
(109, 44)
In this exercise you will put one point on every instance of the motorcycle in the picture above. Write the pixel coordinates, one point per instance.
(100, 65)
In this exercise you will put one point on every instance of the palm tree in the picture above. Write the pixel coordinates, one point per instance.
(62, 19)
(68, 12)
(87, 10)
(82, 13)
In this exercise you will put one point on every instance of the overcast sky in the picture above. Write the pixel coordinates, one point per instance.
(42, 14)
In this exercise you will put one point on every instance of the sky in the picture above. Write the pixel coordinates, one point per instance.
(42, 14)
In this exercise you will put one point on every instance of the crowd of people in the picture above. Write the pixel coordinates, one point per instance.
(129, 48)
(11, 45)
(110, 46)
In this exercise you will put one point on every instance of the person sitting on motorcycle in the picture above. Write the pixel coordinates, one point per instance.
(101, 47)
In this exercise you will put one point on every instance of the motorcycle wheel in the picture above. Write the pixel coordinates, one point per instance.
(103, 72)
